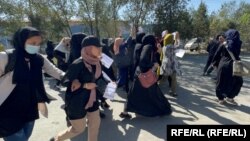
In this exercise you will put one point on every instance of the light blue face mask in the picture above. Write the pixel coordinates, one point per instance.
(31, 49)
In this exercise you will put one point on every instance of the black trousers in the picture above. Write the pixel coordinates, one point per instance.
(237, 84)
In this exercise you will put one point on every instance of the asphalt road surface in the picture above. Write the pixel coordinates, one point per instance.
(196, 104)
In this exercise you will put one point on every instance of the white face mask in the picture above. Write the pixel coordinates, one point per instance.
(31, 49)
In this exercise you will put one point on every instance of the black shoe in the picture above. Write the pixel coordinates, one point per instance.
(52, 139)
(173, 94)
(125, 115)
(104, 104)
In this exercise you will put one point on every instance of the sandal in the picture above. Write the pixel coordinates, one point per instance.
(231, 101)
(222, 102)
(125, 115)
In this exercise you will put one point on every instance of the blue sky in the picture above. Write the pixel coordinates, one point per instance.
(212, 5)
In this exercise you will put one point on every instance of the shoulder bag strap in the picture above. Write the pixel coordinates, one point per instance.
(230, 53)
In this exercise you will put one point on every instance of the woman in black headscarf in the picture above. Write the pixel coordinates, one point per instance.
(75, 44)
(19, 111)
(149, 101)
(138, 49)
(228, 86)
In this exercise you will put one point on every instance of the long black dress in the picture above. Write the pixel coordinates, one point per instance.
(146, 101)
(227, 84)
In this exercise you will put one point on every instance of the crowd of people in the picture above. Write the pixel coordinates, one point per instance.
(142, 62)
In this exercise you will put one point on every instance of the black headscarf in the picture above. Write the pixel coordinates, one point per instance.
(139, 37)
(19, 40)
(138, 48)
(146, 58)
(29, 75)
(75, 43)
(149, 40)
(50, 49)
(234, 42)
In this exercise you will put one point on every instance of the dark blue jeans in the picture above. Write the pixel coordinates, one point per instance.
(23, 134)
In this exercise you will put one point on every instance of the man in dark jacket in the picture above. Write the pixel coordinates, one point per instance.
(211, 49)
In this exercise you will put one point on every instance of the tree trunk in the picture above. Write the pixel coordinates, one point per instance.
(97, 19)
(91, 27)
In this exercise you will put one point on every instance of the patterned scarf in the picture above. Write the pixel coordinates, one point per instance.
(88, 61)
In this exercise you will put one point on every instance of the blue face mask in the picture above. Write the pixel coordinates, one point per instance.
(31, 49)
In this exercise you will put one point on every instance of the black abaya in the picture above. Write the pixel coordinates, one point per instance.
(147, 101)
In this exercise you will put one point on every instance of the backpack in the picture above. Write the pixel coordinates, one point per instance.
(6, 85)
(11, 53)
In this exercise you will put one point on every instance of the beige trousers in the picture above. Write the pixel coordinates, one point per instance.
(173, 82)
(79, 125)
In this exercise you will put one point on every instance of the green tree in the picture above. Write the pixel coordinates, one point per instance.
(173, 16)
(137, 11)
(11, 16)
(85, 11)
(201, 22)
(184, 25)
(62, 10)
(50, 16)
(231, 12)
(114, 7)
(90, 11)
(243, 18)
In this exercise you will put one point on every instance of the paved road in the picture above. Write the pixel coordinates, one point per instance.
(195, 104)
